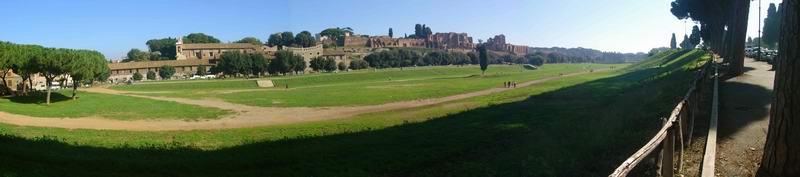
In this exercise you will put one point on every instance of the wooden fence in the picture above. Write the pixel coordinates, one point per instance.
(674, 136)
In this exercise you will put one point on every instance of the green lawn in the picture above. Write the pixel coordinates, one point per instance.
(106, 106)
(575, 126)
(362, 87)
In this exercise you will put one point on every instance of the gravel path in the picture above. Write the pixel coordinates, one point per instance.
(744, 119)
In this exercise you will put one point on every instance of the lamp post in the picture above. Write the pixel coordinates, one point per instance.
(759, 29)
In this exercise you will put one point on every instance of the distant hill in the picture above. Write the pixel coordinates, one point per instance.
(591, 55)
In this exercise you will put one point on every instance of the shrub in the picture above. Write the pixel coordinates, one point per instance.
(341, 66)
(137, 76)
(166, 72)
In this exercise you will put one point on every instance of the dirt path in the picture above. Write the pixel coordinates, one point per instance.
(245, 116)
(744, 119)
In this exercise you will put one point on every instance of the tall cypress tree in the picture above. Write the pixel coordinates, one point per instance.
(673, 43)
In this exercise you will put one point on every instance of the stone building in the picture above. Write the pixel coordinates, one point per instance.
(308, 53)
(450, 40)
(517, 49)
(339, 57)
(349, 40)
(214, 51)
(121, 72)
(498, 43)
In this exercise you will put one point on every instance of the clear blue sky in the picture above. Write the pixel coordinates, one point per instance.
(114, 27)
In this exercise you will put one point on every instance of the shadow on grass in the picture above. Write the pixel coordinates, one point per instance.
(583, 130)
(39, 98)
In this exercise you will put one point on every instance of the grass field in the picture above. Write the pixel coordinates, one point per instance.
(359, 88)
(105, 106)
(575, 126)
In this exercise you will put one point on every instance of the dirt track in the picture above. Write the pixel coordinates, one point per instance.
(245, 116)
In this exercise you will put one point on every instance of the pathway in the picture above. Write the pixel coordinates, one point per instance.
(245, 116)
(744, 119)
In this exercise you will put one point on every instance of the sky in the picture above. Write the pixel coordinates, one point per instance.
(115, 27)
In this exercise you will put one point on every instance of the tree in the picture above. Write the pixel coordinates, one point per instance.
(53, 63)
(687, 43)
(483, 58)
(391, 33)
(259, 64)
(250, 40)
(201, 70)
(336, 33)
(9, 55)
(316, 63)
(151, 75)
(771, 26)
(535, 59)
(166, 72)
(287, 38)
(473, 59)
(85, 65)
(137, 55)
(341, 66)
(695, 37)
(298, 64)
(358, 64)
(165, 47)
(137, 76)
(782, 148)
(275, 39)
(304, 39)
(199, 38)
(235, 63)
(282, 63)
(673, 43)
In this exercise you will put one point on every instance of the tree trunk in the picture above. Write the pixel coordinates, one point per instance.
(48, 85)
(739, 36)
(782, 149)
(5, 84)
(74, 88)
(30, 82)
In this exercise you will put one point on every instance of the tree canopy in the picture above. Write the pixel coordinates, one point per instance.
(199, 38)
(166, 72)
(165, 47)
(772, 23)
(250, 40)
(27, 60)
(286, 62)
(336, 33)
(137, 55)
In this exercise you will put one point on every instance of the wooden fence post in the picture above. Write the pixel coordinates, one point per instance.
(668, 153)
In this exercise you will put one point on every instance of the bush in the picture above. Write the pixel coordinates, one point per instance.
(201, 70)
(358, 64)
(151, 75)
(137, 76)
(166, 72)
(341, 66)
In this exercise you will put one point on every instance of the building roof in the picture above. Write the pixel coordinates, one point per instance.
(156, 64)
(220, 46)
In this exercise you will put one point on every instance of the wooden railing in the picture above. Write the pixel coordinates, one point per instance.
(678, 128)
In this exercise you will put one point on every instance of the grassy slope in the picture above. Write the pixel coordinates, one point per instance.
(106, 106)
(361, 88)
(577, 126)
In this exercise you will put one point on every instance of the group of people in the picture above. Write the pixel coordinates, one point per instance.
(510, 84)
